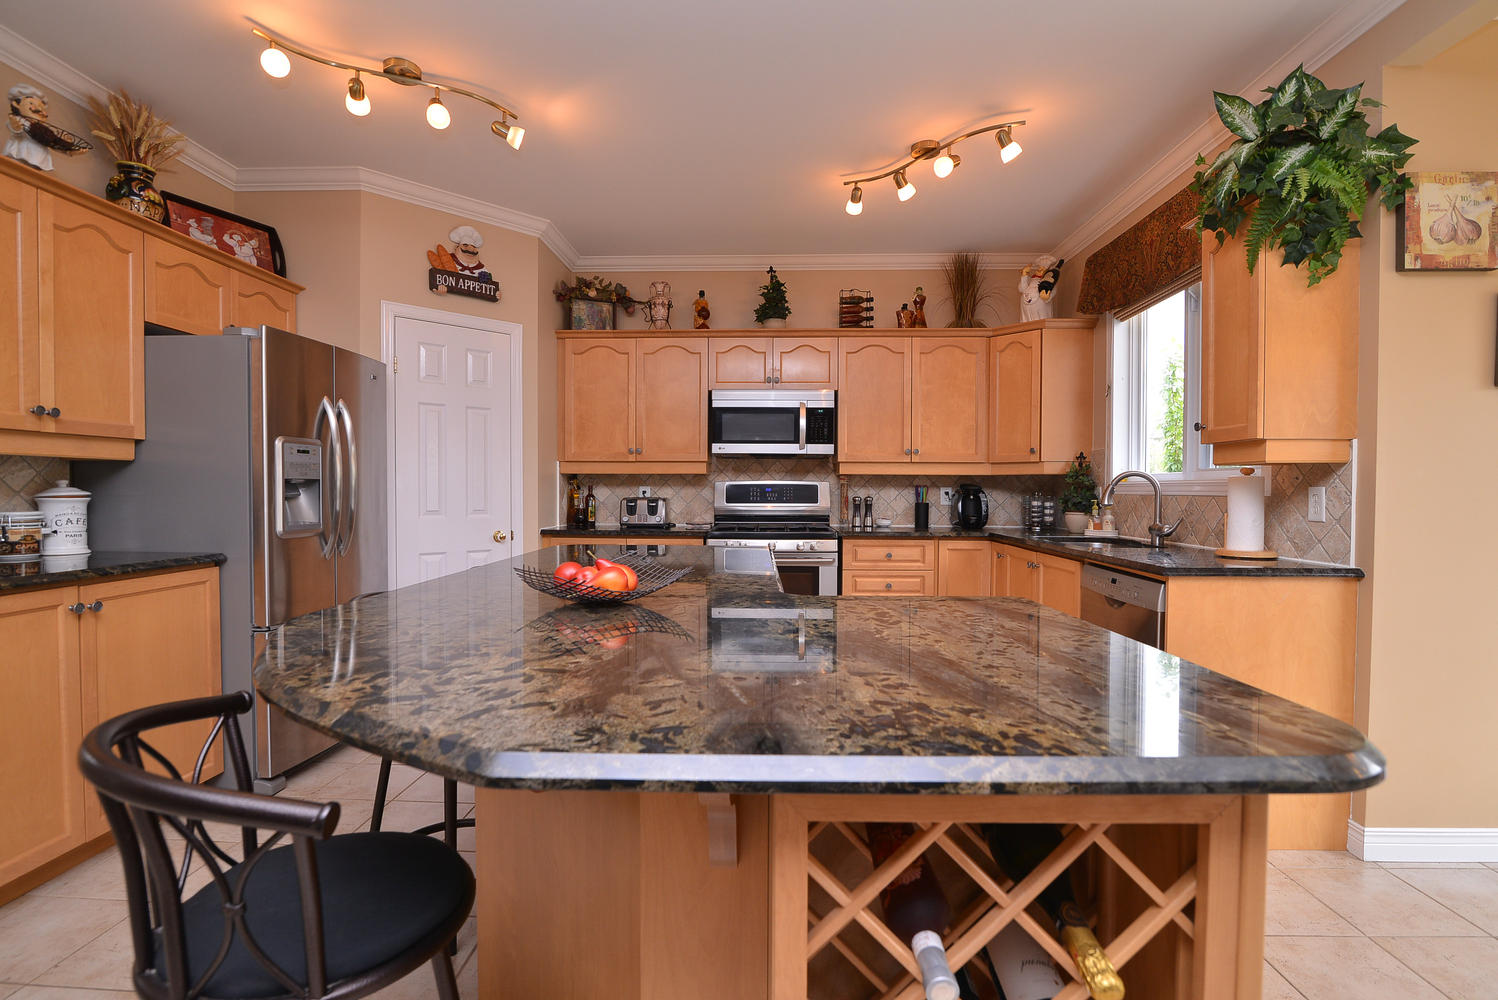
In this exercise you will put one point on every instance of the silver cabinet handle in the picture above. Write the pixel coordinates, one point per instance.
(326, 414)
(96, 606)
(42, 411)
(347, 534)
(78, 608)
(801, 636)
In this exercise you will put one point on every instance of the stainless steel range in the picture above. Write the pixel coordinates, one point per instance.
(793, 519)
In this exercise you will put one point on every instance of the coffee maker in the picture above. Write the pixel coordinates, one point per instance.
(970, 507)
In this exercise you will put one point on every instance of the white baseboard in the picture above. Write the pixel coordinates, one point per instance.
(1422, 843)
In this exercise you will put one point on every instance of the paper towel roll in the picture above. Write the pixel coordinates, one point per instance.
(1245, 524)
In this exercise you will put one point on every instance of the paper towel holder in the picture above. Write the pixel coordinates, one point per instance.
(1244, 553)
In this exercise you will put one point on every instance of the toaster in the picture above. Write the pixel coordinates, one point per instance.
(643, 511)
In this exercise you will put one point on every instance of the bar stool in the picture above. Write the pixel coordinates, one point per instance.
(450, 822)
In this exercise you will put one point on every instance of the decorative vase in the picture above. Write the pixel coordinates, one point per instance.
(1076, 521)
(658, 306)
(134, 187)
(773, 324)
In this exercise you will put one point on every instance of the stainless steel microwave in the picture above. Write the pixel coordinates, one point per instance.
(772, 421)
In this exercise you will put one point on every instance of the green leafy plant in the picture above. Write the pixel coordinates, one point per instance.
(1173, 422)
(1299, 172)
(1081, 488)
(773, 304)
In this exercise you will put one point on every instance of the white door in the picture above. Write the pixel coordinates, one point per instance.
(452, 449)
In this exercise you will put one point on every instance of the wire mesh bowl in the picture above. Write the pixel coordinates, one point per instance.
(653, 576)
(576, 628)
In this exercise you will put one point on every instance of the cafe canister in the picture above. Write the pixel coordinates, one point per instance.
(65, 510)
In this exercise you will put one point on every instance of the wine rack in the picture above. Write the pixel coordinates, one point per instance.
(1178, 909)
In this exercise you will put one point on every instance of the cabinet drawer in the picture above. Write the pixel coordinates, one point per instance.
(868, 583)
(869, 553)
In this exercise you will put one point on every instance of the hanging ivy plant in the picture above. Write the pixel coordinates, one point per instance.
(1299, 172)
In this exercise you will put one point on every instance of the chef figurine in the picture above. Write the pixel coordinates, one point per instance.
(1037, 283)
(700, 311)
(31, 138)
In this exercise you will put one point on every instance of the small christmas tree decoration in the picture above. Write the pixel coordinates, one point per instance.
(773, 305)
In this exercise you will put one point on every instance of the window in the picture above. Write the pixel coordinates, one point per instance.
(1155, 390)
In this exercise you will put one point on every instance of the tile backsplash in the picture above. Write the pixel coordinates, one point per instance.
(21, 477)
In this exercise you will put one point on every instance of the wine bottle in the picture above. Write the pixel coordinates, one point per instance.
(1022, 967)
(576, 515)
(1018, 848)
(916, 909)
(592, 503)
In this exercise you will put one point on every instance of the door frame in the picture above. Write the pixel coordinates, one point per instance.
(392, 311)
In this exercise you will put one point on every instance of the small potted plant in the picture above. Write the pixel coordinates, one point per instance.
(773, 307)
(1079, 495)
(590, 302)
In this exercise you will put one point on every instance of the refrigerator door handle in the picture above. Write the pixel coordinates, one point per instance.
(345, 536)
(325, 413)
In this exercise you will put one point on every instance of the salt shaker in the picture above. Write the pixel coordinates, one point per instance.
(857, 522)
(868, 513)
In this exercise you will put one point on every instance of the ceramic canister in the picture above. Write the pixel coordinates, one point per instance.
(66, 510)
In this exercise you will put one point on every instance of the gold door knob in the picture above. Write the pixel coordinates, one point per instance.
(499, 536)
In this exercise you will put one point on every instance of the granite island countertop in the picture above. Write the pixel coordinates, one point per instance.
(722, 682)
(59, 570)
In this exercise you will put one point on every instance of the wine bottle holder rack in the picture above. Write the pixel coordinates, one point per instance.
(1204, 953)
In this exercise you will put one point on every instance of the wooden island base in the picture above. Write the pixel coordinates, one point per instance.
(657, 896)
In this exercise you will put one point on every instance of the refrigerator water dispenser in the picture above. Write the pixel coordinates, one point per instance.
(299, 476)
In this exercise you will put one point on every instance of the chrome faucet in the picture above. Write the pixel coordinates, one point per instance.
(1158, 531)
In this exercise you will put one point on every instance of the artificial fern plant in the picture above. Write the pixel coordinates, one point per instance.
(773, 303)
(1299, 172)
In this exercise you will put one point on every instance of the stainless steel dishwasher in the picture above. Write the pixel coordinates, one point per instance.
(1124, 603)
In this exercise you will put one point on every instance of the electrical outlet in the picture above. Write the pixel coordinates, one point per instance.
(946, 496)
(1316, 503)
(644, 491)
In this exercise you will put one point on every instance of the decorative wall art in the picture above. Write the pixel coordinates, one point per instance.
(250, 241)
(32, 138)
(1447, 222)
(458, 270)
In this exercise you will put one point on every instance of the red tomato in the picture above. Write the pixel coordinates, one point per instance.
(612, 578)
(585, 576)
(567, 572)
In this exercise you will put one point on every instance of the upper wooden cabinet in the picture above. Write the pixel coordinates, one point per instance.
(873, 415)
(185, 290)
(1042, 396)
(780, 362)
(921, 400)
(20, 353)
(630, 404)
(1279, 359)
(254, 301)
(949, 401)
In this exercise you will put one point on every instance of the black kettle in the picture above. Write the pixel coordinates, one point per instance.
(971, 506)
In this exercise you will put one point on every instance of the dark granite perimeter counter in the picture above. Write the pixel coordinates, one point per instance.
(722, 682)
(607, 531)
(99, 565)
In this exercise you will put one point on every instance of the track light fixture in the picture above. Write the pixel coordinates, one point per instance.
(274, 60)
(944, 161)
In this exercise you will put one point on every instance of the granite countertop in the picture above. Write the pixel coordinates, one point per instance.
(107, 564)
(722, 682)
(632, 531)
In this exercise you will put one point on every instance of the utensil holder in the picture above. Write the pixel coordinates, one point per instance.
(922, 516)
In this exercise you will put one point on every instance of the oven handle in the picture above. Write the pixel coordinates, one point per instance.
(801, 636)
(829, 560)
(803, 425)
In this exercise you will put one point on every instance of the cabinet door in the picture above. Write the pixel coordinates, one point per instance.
(873, 583)
(597, 400)
(91, 316)
(806, 364)
(20, 372)
(1060, 583)
(739, 364)
(671, 400)
(253, 302)
(873, 408)
(40, 731)
(1232, 343)
(963, 567)
(185, 290)
(153, 639)
(949, 400)
(1003, 565)
(1015, 362)
(1024, 572)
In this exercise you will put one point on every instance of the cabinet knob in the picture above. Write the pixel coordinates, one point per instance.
(907, 451)
(54, 412)
(1199, 426)
(767, 380)
(631, 451)
(77, 609)
(39, 410)
(889, 586)
(918, 451)
(889, 555)
(1032, 451)
(998, 555)
(96, 606)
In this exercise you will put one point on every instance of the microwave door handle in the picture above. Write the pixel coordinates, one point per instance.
(325, 413)
(803, 425)
(347, 530)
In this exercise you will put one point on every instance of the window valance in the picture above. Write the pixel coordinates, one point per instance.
(1151, 260)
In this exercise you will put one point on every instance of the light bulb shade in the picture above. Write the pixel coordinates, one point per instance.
(855, 202)
(356, 101)
(945, 164)
(275, 62)
(1008, 148)
(903, 188)
(515, 137)
(437, 114)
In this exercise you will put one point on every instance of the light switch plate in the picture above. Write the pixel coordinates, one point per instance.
(1316, 503)
(644, 491)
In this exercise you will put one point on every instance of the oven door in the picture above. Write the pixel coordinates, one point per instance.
(814, 575)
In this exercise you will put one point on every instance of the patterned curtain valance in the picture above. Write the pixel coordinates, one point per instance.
(1156, 257)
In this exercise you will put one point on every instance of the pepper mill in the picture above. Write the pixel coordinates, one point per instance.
(868, 513)
(857, 523)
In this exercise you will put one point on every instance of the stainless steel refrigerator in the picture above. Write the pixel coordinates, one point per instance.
(269, 448)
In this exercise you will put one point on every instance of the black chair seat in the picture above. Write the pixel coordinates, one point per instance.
(381, 894)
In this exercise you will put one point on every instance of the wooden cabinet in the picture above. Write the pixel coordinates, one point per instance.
(185, 290)
(781, 362)
(892, 568)
(1054, 581)
(873, 415)
(256, 302)
(1041, 402)
(1279, 359)
(949, 401)
(964, 567)
(633, 404)
(887, 583)
(909, 401)
(80, 655)
(20, 361)
(1000, 583)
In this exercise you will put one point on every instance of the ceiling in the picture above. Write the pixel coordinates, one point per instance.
(676, 127)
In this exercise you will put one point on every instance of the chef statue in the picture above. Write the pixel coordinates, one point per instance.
(32, 139)
(466, 245)
(1037, 283)
(700, 311)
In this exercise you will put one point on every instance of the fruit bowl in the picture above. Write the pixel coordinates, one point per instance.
(573, 629)
(653, 576)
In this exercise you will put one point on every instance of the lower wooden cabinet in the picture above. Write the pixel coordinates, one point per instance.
(1054, 581)
(887, 583)
(79, 655)
(892, 568)
(963, 567)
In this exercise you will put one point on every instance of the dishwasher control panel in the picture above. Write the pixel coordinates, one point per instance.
(1140, 591)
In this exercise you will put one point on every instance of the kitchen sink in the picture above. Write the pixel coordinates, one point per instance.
(1128, 543)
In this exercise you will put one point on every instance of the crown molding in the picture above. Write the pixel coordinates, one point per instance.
(1326, 40)
(794, 262)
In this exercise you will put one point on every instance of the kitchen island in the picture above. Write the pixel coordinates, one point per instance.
(707, 754)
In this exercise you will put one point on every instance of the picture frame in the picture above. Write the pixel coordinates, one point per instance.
(1448, 221)
(241, 238)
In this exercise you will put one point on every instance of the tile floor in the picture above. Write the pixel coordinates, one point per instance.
(1336, 928)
